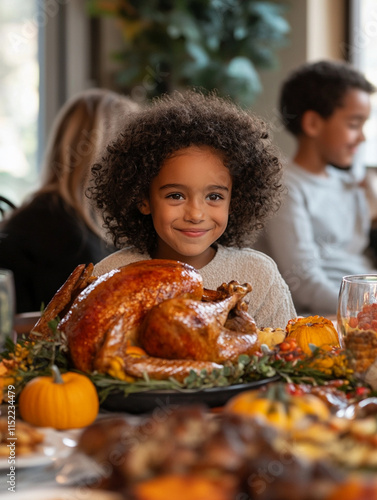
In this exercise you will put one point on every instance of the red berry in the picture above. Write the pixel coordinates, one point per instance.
(285, 346)
(364, 326)
(353, 322)
(361, 391)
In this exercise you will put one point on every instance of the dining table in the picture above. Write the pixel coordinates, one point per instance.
(60, 467)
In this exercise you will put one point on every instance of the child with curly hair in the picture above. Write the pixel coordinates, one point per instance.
(190, 178)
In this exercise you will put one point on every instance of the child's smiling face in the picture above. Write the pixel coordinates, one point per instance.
(339, 135)
(189, 204)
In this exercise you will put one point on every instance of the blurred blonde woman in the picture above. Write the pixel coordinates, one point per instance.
(56, 228)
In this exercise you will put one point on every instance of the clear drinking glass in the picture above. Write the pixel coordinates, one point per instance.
(7, 306)
(357, 306)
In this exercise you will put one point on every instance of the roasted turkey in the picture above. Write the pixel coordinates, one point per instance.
(106, 316)
(159, 305)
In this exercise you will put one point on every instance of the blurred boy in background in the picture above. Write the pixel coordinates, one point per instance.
(321, 232)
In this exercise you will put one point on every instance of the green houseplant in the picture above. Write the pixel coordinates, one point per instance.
(204, 43)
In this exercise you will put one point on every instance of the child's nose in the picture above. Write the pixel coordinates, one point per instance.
(362, 136)
(194, 212)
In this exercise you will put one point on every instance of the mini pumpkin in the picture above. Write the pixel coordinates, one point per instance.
(315, 330)
(277, 407)
(61, 401)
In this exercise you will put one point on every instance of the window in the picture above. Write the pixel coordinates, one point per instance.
(45, 58)
(363, 54)
(19, 97)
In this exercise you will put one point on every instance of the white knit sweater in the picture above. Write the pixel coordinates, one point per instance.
(270, 302)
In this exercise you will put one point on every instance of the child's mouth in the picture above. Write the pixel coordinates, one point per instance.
(193, 234)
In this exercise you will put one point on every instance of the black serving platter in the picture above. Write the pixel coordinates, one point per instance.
(147, 401)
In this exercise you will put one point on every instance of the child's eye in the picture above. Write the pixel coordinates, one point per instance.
(355, 125)
(215, 197)
(175, 196)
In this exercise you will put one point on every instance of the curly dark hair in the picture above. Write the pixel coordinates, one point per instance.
(319, 87)
(173, 122)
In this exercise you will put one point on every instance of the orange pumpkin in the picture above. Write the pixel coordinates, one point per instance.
(315, 330)
(62, 401)
(277, 407)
